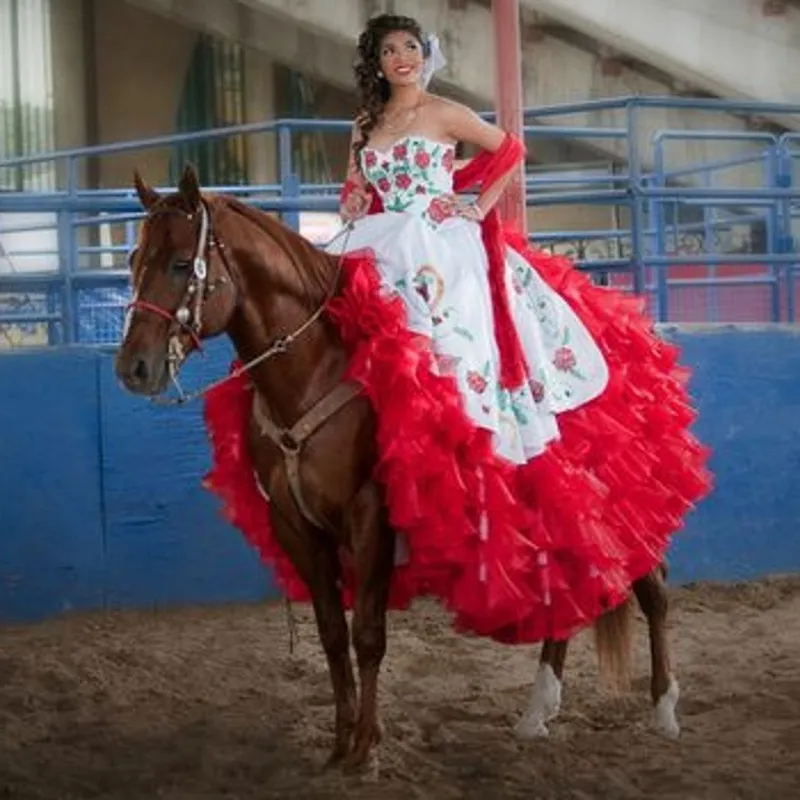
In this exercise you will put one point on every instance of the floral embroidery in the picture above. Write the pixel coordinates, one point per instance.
(476, 382)
(439, 210)
(422, 159)
(564, 359)
(410, 175)
(537, 390)
(448, 365)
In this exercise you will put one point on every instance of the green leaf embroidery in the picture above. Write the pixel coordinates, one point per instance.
(464, 332)
(518, 413)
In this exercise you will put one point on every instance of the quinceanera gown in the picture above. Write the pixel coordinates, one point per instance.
(533, 430)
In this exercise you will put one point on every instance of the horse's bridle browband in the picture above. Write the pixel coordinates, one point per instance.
(188, 318)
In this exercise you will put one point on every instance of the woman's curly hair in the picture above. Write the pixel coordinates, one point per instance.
(374, 90)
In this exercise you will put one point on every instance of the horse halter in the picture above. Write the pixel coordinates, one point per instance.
(188, 317)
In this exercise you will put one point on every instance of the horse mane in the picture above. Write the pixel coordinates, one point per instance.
(314, 268)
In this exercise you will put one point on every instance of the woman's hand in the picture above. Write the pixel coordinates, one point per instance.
(355, 202)
(454, 206)
(472, 211)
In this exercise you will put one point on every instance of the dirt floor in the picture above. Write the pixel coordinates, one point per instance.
(200, 704)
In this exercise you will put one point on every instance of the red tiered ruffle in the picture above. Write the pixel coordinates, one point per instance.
(565, 534)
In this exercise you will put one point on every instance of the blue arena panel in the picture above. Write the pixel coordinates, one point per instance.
(747, 385)
(166, 541)
(51, 504)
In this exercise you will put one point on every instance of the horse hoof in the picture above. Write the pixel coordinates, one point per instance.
(531, 728)
(664, 718)
(363, 766)
(334, 761)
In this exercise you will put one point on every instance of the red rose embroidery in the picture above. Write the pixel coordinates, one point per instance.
(421, 189)
(370, 159)
(448, 159)
(476, 382)
(384, 185)
(422, 159)
(537, 390)
(439, 210)
(564, 359)
(403, 180)
(400, 152)
(448, 365)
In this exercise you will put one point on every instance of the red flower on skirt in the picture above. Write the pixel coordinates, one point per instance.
(476, 382)
(564, 359)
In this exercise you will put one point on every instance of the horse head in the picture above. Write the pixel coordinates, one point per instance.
(183, 289)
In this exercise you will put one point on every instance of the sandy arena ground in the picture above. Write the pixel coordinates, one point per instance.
(209, 703)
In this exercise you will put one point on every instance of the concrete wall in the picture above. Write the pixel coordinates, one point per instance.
(141, 68)
(119, 71)
(102, 505)
(738, 48)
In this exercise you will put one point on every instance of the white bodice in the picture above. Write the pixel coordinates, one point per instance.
(411, 174)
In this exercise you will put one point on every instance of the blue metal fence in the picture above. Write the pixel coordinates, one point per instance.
(664, 207)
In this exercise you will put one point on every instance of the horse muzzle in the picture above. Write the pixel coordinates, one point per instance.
(142, 373)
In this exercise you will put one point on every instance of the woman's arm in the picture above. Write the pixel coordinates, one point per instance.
(465, 125)
(355, 198)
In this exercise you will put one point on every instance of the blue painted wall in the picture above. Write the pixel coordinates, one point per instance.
(100, 500)
(747, 386)
(101, 503)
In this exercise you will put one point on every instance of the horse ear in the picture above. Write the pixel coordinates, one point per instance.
(189, 186)
(147, 195)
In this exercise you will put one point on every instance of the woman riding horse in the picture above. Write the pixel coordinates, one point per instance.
(431, 407)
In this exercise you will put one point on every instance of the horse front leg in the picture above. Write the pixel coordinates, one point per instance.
(373, 560)
(316, 560)
(545, 701)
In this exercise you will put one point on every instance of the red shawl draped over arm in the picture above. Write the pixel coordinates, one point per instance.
(478, 175)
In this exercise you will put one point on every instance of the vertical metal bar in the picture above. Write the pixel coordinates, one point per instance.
(290, 183)
(658, 220)
(781, 168)
(508, 90)
(68, 249)
(712, 291)
(16, 94)
(634, 171)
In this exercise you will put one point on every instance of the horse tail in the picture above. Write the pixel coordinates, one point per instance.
(613, 633)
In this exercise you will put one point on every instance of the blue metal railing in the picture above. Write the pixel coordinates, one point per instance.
(648, 191)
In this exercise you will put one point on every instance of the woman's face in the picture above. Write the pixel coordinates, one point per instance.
(401, 58)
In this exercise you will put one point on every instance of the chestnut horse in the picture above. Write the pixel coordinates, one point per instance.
(206, 266)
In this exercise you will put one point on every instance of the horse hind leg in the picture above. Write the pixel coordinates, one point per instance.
(373, 544)
(545, 699)
(651, 594)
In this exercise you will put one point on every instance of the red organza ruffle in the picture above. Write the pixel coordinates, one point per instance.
(516, 553)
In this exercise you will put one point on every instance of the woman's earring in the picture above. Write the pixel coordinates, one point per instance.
(380, 74)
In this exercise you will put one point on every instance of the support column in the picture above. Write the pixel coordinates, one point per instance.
(508, 94)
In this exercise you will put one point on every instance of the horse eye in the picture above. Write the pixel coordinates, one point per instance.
(180, 266)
